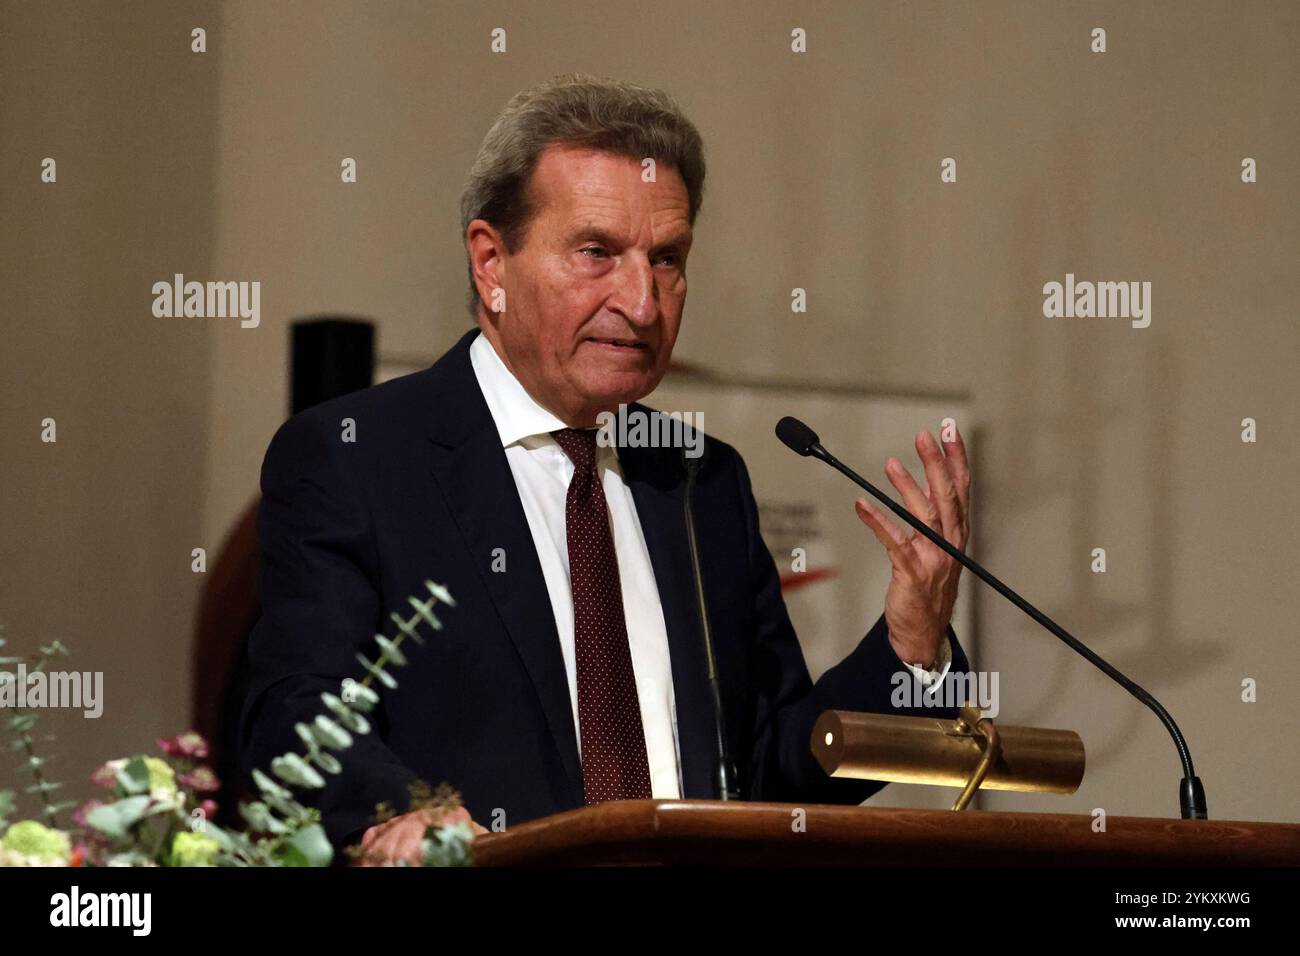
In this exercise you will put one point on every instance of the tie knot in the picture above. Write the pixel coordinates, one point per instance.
(579, 444)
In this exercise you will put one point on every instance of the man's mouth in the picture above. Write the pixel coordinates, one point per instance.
(627, 345)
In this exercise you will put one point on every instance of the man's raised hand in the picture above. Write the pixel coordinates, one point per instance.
(923, 585)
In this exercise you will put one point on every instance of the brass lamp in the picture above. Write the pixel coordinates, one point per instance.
(968, 752)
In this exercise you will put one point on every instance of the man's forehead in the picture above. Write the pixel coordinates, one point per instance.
(588, 183)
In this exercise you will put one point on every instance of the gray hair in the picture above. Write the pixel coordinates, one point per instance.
(573, 109)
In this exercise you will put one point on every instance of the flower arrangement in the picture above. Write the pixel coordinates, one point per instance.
(158, 808)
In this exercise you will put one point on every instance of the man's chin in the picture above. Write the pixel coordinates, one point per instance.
(614, 391)
(620, 385)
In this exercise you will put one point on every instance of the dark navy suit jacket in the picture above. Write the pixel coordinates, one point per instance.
(349, 530)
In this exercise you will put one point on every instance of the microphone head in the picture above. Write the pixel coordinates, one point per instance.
(797, 436)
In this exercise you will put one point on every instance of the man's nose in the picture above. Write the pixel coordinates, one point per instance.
(636, 296)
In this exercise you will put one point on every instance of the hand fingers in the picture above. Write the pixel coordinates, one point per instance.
(402, 838)
(379, 851)
(369, 839)
(895, 541)
(459, 815)
(959, 468)
(409, 842)
(441, 818)
(913, 498)
(943, 490)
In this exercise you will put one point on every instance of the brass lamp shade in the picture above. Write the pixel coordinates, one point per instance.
(944, 753)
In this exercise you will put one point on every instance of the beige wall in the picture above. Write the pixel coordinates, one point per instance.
(96, 529)
(824, 174)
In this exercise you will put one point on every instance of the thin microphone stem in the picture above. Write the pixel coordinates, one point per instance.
(1192, 797)
(722, 770)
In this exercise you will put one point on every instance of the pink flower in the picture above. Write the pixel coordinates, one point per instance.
(106, 776)
(189, 745)
(201, 779)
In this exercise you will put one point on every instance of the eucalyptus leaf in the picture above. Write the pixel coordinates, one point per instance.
(292, 769)
(115, 819)
(362, 697)
(326, 761)
(31, 765)
(268, 786)
(391, 650)
(448, 846)
(331, 734)
(134, 777)
(305, 734)
(223, 838)
(308, 847)
(260, 819)
(287, 807)
(347, 717)
(441, 593)
(408, 628)
(382, 675)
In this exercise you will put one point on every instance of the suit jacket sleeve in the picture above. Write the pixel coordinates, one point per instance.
(789, 703)
(320, 607)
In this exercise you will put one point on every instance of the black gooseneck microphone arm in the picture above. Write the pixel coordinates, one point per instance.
(724, 775)
(1191, 795)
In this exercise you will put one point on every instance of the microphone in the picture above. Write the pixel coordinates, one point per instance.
(724, 773)
(1191, 795)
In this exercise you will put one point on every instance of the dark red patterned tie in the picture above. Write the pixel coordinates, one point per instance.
(614, 764)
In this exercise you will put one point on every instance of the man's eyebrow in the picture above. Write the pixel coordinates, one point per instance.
(589, 231)
(681, 240)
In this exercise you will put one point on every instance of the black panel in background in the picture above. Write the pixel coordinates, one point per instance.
(330, 357)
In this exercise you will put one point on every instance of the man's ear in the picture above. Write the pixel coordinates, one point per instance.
(486, 258)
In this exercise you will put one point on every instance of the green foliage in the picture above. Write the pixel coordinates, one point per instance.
(31, 839)
(20, 725)
(448, 846)
(157, 817)
(290, 834)
(193, 849)
(308, 846)
(7, 809)
(134, 777)
(116, 819)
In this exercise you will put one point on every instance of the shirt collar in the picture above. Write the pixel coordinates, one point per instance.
(517, 414)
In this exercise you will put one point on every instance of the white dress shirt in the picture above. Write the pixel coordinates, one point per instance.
(542, 472)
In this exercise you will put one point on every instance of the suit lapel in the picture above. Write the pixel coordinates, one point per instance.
(658, 482)
(474, 476)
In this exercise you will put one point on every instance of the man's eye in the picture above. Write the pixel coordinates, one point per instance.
(598, 249)
(670, 258)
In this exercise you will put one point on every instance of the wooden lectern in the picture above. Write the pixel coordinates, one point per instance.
(714, 833)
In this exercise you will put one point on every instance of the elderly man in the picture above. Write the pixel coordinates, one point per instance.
(572, 670)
